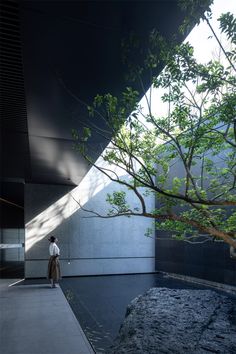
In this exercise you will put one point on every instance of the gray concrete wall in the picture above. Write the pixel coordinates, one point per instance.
(88, 246)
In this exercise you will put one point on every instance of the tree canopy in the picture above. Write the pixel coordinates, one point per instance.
(186, 157)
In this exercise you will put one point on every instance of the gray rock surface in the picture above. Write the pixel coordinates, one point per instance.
(178, 322)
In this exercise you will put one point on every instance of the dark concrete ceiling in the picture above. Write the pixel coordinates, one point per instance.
(67, 47)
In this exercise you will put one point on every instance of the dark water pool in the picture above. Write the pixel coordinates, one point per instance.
(99, 302)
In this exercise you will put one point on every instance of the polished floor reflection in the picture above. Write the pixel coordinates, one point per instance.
(12, 270)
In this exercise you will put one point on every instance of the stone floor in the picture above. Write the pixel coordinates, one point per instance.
(35, 319)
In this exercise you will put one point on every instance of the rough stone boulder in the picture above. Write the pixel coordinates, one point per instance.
(178, 322)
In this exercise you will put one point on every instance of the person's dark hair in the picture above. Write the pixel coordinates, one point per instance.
(52, 239)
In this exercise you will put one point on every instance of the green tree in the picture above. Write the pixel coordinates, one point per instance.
(198, 134)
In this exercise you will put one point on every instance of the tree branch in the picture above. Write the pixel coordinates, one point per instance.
(209, 230)
(216, 37)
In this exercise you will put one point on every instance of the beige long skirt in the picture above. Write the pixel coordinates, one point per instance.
(54, 271)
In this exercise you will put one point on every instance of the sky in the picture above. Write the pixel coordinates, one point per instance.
(205, 48)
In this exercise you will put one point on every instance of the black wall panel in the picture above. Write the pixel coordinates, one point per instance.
(12, 205)
(209, 261)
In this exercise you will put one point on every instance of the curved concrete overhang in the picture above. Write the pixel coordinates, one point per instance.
(70, 50)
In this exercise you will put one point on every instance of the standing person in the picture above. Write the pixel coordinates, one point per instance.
(54, 273)
(232, 252)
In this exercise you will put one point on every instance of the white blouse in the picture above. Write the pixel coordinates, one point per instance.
(54, 249)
